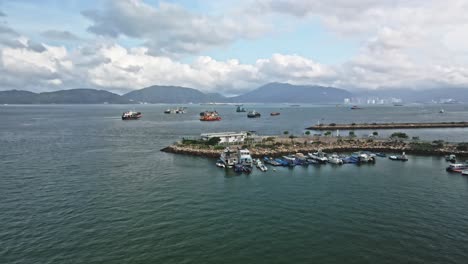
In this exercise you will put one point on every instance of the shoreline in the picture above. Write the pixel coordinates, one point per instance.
(329, 145)
(389, 126)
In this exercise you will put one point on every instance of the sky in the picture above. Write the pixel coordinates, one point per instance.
(231, 47)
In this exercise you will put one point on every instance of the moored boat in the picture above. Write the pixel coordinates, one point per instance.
(318, 156)
(271, 161)
(228, 157)
(401, 157)
(131, 115)
(451, 158)
(335, 159)
(220, 164)
(274, 113)
(458, 167)
(464, 172)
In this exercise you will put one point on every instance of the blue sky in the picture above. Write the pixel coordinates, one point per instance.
(232, 47)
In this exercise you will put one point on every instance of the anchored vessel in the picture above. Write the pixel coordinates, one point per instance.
(240, 108)
(253, 114)
(209, 116)
(178, 110)
(131, 115)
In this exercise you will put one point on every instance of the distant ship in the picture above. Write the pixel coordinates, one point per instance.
(240, 109)
(441, 111)
(179, 110)
(210, 116)
(274, 113)
(355, 107)
(253, 114)
(131, 115)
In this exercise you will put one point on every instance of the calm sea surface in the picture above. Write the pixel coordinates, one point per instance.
(79, 185)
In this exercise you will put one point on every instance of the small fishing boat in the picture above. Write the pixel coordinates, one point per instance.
(441, 111)
(253, 114)
(335, 159)
(261, 166)
(220, 164)
(131, 115)
(271, 161)
(401, 157)
(458, 167)
(318, 156)
(451, 158)
(355, 107)
(382, 155)
(274, 113)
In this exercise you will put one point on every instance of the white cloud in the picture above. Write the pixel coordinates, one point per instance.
(416, 44)
(170, 29)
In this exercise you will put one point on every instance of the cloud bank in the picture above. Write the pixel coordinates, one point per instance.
(404, 44)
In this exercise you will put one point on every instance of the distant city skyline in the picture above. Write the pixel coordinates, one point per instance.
(232, 47)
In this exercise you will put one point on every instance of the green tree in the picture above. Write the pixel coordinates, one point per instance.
(286, 132)
(213, 141)
(375, 133)
(307, 133)
(352, 134)
(292, 137)
(399, 135)
(328, 133)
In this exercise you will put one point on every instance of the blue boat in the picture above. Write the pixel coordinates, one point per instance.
(271, 161)
(282, 162)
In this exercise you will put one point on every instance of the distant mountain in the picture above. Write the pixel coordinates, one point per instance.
(288, 93)
(269, 93)
(73, 96)
(171, 95)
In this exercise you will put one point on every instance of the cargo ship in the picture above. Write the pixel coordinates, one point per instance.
(210, 116)
(131, 115)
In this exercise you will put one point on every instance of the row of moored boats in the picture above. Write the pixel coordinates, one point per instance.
(241, 161)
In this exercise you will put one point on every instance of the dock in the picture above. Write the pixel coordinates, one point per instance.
(355, 126)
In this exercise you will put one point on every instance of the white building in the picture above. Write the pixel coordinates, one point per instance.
(226, 137)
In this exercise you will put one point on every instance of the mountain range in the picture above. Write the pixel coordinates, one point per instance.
(269, 93)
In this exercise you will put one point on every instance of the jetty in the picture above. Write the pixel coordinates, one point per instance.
(280, 146)
(355, 126)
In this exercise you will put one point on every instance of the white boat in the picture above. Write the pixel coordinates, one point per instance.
(220, 164)
(318, 156)
(401, 157)
(441, 111)
(261, 166)
(244, 158)
(228, 157)
(335, 159)
(465, 172)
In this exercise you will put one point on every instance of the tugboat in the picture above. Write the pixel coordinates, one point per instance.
(209, 116)
(131, 115)
(253, 114)
(240, 109)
